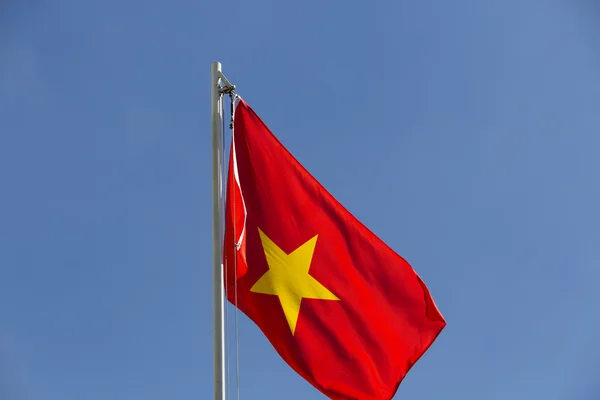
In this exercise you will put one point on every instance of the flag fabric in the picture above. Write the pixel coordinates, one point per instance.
(339, 306)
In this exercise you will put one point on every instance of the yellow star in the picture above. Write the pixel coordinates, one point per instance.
(288, 278)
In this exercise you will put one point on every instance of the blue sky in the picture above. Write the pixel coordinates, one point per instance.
(464, 134)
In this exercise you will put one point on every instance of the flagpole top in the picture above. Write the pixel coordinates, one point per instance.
(225, 87)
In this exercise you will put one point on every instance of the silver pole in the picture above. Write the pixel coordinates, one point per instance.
(217, 212)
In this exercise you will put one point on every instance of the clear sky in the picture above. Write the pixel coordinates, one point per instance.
(465, 134)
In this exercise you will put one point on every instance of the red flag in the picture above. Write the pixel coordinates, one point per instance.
(341, 308)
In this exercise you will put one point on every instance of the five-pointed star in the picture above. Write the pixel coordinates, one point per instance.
(288, 278)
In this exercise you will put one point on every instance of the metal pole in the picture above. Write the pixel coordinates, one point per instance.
(217, 212)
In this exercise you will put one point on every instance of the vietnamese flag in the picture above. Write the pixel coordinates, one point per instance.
(341, 308)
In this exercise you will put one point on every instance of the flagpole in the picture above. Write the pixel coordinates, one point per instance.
(217, 231)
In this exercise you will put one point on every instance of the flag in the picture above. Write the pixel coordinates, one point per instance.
(339, 306)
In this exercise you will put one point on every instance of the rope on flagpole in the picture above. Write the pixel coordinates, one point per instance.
(232, 96)
(229, 89)
(226, 280)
